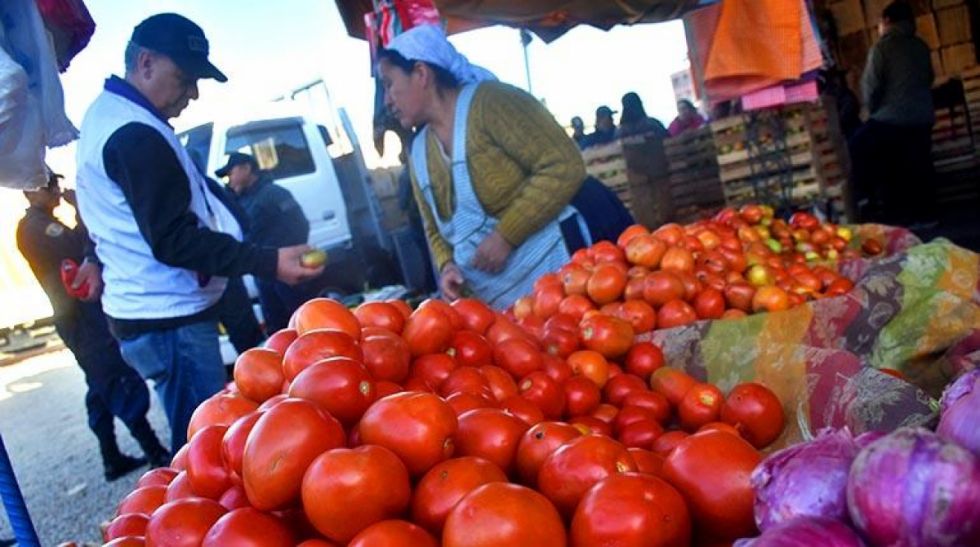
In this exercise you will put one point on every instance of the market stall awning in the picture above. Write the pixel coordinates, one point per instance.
(549, 19)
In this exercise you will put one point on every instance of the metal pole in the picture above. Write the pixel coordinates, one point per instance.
(525, 42)
(13, 502)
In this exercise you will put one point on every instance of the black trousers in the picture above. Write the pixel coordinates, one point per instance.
(235, 313)
(603, 212)
(892, 173)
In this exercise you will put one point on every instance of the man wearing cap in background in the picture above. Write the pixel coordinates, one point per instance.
(605, 128)
(114, 389)
(274, 219)
(166, 242)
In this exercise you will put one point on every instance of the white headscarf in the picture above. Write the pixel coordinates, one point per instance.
(428, 43)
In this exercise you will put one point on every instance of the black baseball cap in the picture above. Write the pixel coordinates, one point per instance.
(236, 158)
(180, 39)
(604, 111)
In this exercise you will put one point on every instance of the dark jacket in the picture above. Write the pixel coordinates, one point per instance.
(275, 219)
(898, 78)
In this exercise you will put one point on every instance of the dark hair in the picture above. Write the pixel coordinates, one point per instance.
(897, 12)
(687, 103)
(633, 110)
(444, 78)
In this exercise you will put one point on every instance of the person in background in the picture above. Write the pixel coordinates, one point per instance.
(891, 154)
(834, 83)
(273, 219)
(688, 118)
(501, 188)
(605, 127)
(167, 243)
(114, 389)
(634, 120)
(578, 132)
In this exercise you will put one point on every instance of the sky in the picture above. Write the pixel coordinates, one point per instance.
(267, 49)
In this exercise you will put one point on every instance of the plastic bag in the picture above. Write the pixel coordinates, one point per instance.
(71, 26)
(21, 137)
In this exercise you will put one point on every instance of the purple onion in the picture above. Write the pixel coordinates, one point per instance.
(805, 531)
(960, 421)
(960, 388)
(808, 479)
(913, 488)
(868, 437)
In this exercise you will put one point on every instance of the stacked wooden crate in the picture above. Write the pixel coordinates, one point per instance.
(971, 90)
(384, 184)
(808, 166)
(693, 177)
(633, 168)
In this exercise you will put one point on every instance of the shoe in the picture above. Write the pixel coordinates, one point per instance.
(122, 466)
(159, 459)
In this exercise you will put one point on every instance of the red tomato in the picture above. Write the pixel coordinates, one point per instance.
(700, 405)
(220, 409)
(387, 358)
(666, 443)
(281, 446)
(491, 434)
(465, 402)
(206, 471)
(770, 298)
(447, 483)
(560, 343)
(523, 409)
(384, 389)
(498, 514)
(380, 314)
(712, 470)
(546, 301)
(258, 374)
(661, 287)
(160, 475)
(606, 284)
(606, 251)
(568, 473)
(672, 384)
(428, 330)
(618, 387)
(647, 462)
(324, 313)
(273, 401)
(590, 364)
(691, 285)
(501, 383)
(719, 426)
(143, 500)
(739, 296)
(234, 498)
(557, 368)
(575, 305)
(471, 349)
(610, 336)
(401, 306)
(475, 315)
(640, 434)
(182, 523)
(676, 313)
(678, 260)
(280, 340)
(544, 392)
(339, 386)
(418, 427)
(655, 402)
(434, 368)
(582, 396)
(317, 345)
(643, 359)
(443, 307)
(466, 380)
(132, 524)
(640, 315)
(631, 509)
(393, 533)
(517, 357)
(247, 527)
(180, 488)
(606, 412)
(646, 251)
(537, 444)
(590, 425)
(670, 233)
(631, 414)
(503, 329)
(709, 304)
(756, 413)
(839, 286)
(347, 490)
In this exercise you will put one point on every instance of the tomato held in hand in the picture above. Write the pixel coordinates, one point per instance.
(631, 509)
(756, 413)
(712, 471)
(444, 485)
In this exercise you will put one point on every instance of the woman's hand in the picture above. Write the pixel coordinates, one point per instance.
(451, 281)
(492, 253)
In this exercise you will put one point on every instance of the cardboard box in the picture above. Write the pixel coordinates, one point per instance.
(957, 58)
(849, 16)
(925, 27)
(953, 25)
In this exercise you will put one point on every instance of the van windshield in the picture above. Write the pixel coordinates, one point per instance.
(279, 146)
(197, 142)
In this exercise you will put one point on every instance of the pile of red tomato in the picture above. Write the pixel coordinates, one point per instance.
(452, 425)
(738, 263)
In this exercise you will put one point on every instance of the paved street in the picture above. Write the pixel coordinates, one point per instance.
(55, 455)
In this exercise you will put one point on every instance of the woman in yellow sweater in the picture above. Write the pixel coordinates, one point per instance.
(496, 178)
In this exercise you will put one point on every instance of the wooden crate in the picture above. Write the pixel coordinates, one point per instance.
(958, 58)
(953, 25)
(631, 167)
(692, 178)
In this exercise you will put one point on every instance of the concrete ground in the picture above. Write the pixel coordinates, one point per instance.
(55, 455)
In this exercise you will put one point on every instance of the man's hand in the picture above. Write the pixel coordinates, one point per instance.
(492, 253)
(91, 273)
(290, 270)
(451, 281)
